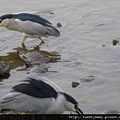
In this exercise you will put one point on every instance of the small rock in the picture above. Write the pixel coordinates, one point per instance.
(59, 25)
(115, 42)
(75, 84)
(103, 45)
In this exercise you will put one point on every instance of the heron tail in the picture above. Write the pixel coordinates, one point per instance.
(53, 31)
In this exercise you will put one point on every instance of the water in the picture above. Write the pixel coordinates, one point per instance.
(85, 46)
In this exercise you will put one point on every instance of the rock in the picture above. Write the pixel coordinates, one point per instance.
(35, 68)
(35, 57)
(4, 70)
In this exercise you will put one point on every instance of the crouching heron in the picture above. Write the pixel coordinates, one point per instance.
(31, 25)
(36, 96)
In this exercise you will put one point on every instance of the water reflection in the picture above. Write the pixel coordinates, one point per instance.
(12, 59)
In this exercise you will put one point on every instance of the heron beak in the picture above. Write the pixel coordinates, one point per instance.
(79, 111)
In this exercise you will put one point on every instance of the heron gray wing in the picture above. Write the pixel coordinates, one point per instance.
(24, 103)
(36, 29)
(31, 28)
(11, 99)
(36, 88)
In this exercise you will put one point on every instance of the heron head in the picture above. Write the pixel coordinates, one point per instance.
(4, 19)
(78, 110)
(72, 105)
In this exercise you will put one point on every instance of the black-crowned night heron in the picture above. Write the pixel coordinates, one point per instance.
(31, 25)
(36, 96)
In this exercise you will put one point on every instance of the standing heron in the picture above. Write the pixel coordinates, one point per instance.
(31, 25)
(36, 96)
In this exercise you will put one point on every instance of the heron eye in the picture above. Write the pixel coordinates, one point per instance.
(76, 106)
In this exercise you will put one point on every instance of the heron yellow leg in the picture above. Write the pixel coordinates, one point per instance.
(24, 37)
(42, 41)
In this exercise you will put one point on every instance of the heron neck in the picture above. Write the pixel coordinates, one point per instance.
(58, 106)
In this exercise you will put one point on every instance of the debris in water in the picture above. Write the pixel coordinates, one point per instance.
(115, 42)
(75, 84)
(87, 79)
(84, 79)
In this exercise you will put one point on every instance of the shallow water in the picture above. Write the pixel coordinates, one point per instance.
(85, 47)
